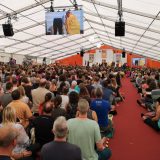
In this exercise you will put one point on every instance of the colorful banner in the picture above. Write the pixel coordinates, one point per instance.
(91, 58)
(118, 57)
(104, 54)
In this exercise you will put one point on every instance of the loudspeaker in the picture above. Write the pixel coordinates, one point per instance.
(8, 30)
(120, 29)
(123, 54)
(82, 53)
(44, 59)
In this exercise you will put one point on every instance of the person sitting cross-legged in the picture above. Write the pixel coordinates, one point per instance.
(102, 108)
(154, 122)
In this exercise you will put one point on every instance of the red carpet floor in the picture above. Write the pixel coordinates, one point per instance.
(133, 140)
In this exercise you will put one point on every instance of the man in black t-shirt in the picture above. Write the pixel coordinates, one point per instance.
(59, 149)
(7, 141)
(43, 126)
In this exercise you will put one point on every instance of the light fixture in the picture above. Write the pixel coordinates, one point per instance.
(98, 45)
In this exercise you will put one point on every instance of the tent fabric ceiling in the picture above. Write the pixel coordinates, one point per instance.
(142, 19)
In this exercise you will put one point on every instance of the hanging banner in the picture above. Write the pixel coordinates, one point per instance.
(91, 58)
(118, 57)
(104, 54)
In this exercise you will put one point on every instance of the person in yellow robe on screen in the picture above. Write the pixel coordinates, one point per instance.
(72, 24)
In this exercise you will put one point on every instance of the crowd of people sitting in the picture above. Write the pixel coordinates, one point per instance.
(147, 82)
(71, 105)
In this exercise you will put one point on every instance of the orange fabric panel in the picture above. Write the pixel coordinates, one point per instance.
(73, 60)
(153, 64)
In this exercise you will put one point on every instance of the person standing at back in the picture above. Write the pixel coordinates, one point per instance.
(59, 149)
(6, 98)
(7, 80)
(23, 112)
(85, 133)
(43, 127)
(38, 96)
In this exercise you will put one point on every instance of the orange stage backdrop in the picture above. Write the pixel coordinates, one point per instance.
(77, 59)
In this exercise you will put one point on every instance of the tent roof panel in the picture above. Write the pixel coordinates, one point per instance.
(147, 6)
(15, 4)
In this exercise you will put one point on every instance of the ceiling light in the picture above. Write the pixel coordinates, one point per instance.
(98, 45)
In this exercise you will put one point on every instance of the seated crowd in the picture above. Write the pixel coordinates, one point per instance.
(147, 82)
(58, 112)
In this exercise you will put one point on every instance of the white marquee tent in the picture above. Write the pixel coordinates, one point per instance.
(142, 19)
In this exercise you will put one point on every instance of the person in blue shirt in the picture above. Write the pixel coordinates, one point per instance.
(102, 108)
(108, 94)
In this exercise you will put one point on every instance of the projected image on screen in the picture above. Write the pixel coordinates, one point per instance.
(66, 22)
(138, 61)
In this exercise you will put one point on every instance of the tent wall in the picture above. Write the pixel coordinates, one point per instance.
(77, 60)
(149, 62)
(5, 57)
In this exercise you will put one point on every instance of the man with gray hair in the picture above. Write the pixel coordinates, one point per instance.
(85, 133)
(8, 137)
(59, 149)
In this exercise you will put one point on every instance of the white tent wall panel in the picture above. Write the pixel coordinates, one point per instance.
(4, 57)
(18, 58)
(110, 56)
(85, 58)
(97, 57)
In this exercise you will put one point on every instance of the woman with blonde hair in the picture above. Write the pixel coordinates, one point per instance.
(23, 96)
(9, 118)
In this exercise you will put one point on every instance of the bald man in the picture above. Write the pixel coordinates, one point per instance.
(8, 137)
